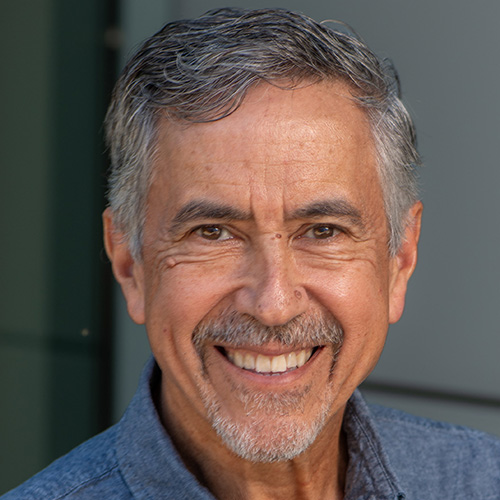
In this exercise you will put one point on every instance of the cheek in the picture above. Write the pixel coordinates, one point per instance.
(179, 298)
(358, 298)
(356, 293)
(174, 307)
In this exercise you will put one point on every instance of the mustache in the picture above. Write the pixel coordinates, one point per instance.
(238, 329)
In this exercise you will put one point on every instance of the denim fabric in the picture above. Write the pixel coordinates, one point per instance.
(438, 460)
(392, 456)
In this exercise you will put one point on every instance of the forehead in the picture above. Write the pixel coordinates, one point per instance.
(282, 144)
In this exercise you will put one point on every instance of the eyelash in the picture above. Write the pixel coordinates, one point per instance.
(332, 232)
(332, 229)
(218, 227)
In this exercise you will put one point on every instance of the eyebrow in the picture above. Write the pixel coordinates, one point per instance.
(202, 209)
(197, 210)
(330, 208)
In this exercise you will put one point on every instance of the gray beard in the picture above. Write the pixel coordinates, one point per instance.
(271, 431)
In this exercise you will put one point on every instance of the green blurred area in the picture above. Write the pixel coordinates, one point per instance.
(54, 343)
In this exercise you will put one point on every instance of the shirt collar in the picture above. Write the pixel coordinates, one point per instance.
(148, 460)
(369, 474)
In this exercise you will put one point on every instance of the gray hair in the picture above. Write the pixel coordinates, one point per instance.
(200, 70)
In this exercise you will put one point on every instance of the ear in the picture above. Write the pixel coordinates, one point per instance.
(127, 271)
(403, 264)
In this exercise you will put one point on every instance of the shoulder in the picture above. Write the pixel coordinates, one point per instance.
(399, 426)
(431, 455)
(89, 471)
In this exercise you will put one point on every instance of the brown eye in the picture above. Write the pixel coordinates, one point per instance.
(213, 233)
(321, 231)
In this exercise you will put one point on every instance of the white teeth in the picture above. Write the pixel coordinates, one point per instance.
(301, 358)
(238, 358)
(269, 364)
(249, 362)
(278, 364)
(291, 360)
(263, 364)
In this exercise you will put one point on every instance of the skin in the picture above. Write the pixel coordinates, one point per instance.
(275, 256)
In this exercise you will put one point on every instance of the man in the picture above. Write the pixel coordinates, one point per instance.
(263, 224)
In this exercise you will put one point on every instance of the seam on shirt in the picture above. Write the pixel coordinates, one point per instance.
(87, 482)
(125, 482)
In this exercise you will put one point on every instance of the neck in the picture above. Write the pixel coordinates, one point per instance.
(317, 473)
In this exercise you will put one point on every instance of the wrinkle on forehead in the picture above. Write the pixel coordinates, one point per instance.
(266, 102)
(279, 151)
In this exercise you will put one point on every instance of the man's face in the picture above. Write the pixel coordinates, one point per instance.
(271, 217)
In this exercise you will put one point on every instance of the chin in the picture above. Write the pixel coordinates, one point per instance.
(273, 427)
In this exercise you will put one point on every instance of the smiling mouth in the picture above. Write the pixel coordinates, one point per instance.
(268, 365)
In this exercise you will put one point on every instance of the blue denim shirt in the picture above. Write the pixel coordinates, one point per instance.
(392, 456)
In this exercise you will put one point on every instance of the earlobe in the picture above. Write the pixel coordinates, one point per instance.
(403, 264)
(126, 270)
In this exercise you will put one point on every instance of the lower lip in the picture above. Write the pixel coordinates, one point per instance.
(280, 378)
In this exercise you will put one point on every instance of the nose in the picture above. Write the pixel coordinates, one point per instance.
(273, 292)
